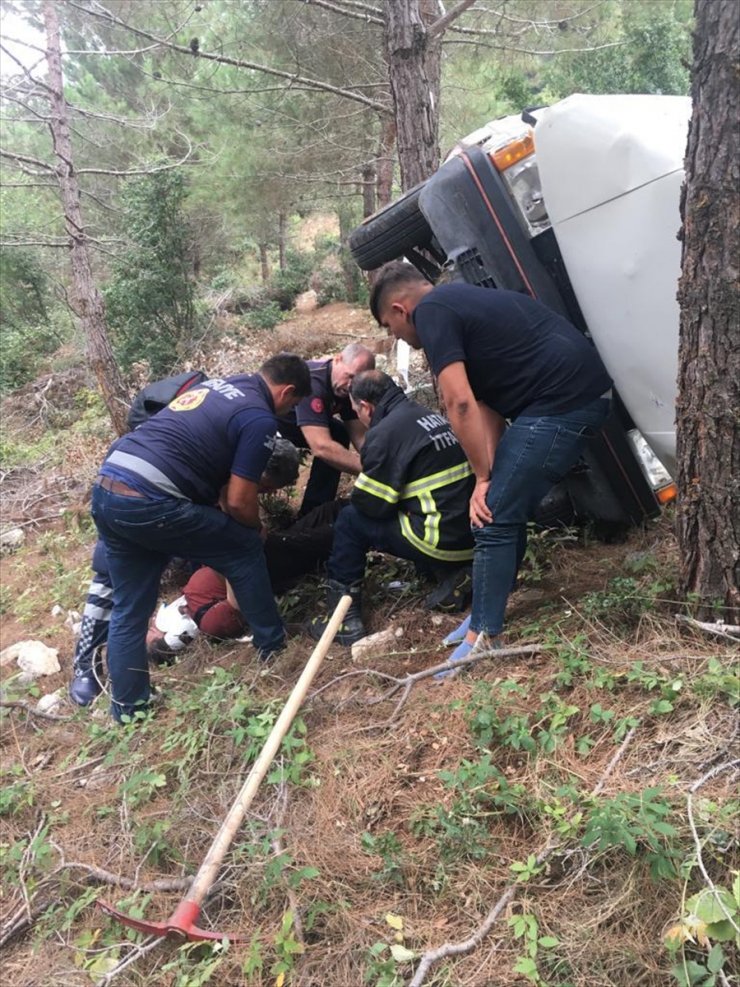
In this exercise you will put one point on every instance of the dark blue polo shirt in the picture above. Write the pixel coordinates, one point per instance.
(521, 358)
(191, 447)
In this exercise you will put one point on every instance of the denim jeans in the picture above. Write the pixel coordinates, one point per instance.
(532, 455)
(356, 533)
(140, 537)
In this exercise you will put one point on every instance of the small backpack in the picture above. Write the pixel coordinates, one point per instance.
(158, 395)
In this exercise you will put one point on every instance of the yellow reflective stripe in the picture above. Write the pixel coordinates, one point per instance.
(376, 488)
(431, 519)
(435, 480)
(442, 554)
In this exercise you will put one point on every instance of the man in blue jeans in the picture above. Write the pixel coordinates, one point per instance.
(156, 497)
(499, 355)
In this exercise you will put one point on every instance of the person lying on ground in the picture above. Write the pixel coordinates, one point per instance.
(87, 664)
(326, 424)
(208, 605)
(156, 494)
(499, 355)
(410, 500)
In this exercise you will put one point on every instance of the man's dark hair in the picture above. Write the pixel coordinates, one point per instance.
(370, 386)
(287, 368)
(282, 466)
(389, 277)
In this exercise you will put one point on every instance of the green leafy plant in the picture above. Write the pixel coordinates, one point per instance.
(709, 918)
(526, 928)
(634, 822)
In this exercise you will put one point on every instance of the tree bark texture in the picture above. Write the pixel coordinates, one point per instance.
(384, 163)
(414, 74)
(708, 407)
(87, 302)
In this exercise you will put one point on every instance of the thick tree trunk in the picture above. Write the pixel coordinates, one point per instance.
(414, 73)
(87, 302)
(708, 410)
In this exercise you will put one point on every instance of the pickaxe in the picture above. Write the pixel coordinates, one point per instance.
(182, 923)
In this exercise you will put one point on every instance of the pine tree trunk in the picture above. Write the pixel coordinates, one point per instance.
(414, 73)
(384, 163)
(369, 179)
(87, 302)
(708, 408)
(282, 239)
(264, 262)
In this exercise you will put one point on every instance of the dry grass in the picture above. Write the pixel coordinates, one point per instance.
(369, 780)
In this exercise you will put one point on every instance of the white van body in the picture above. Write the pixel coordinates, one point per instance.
(611, 169)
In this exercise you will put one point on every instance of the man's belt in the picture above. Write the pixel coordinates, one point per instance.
(117, 487)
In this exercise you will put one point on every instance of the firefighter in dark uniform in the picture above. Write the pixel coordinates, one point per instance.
(410, 500)
(156, 497)
(326, 423)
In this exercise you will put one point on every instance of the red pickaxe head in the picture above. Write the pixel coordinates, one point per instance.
(180, 925)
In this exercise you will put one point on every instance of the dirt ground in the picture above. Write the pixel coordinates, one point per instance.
(383, 813)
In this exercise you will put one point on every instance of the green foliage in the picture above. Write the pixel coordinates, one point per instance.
(651, 55)
(634, 822)
(29, 331)
(382, 969)
(17, 795)
(387, 847)
(526, 928)
(625, 600)
(286, 284)
(150, 297)
(265, 317)
(709, 918)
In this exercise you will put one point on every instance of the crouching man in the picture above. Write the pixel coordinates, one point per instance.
(410, 500)
(155, 497)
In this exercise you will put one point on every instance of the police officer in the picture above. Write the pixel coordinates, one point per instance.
(326, 423)
(410, 499)
(156, 497)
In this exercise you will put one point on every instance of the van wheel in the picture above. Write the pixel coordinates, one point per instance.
(388, 234)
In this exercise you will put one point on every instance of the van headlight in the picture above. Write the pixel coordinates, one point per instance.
(517, 165)
(655, 472)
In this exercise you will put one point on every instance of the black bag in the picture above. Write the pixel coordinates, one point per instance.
(158, 395)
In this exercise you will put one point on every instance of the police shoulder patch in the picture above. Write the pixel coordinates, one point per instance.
(317, 405)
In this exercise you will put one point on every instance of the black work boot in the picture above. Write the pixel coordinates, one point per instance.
(351, 629)
(86, 682)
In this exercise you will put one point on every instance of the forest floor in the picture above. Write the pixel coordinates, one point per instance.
(556, 811)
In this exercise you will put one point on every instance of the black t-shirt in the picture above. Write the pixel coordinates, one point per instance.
(521, 357)
(320, 406)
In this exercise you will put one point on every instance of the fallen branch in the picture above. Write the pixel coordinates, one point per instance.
(407, 682)
(712, 773)
(141, 950)
(729, 631)
(433, 956)
(27, 708)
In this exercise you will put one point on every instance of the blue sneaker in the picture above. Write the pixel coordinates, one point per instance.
(458, 635)
(465, 648)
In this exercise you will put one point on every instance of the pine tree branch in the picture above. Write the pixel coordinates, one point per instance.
(367, 16)
(290, 77)
(26, 159)
(441, 25)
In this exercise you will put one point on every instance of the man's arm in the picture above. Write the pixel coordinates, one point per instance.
(324, 446)
(478, 430)
(241, 503)
(356, 431)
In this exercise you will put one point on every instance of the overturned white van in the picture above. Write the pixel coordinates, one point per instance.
(576, 204)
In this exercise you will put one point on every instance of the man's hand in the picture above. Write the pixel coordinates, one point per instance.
(480, 513)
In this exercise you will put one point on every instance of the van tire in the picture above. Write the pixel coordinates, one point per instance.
(388, 234)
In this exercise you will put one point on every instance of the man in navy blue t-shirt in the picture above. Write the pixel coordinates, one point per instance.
(157, 496)
(499, 355)
(325, 423)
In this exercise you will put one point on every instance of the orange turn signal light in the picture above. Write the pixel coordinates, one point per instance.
(667, 494)
(505, 157)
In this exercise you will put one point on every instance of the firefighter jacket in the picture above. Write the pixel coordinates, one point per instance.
(414, 468)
